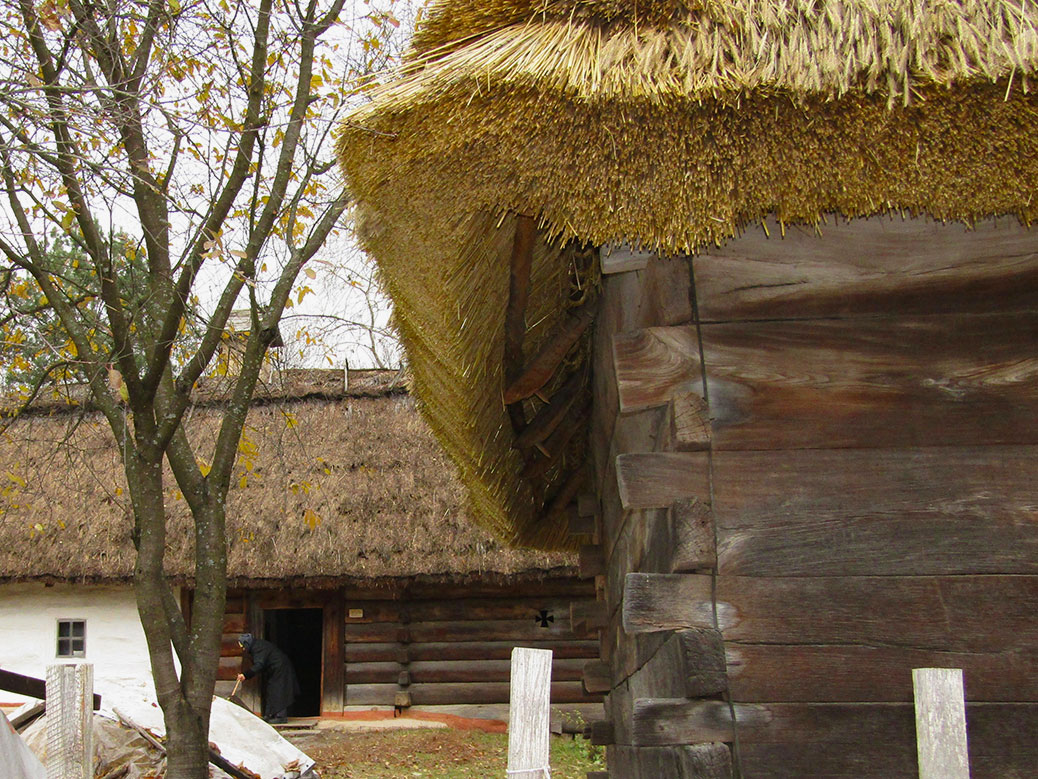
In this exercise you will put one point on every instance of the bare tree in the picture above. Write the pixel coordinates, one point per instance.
(199, 130)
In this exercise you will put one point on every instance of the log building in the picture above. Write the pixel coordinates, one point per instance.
(349, 546)
(741, 299)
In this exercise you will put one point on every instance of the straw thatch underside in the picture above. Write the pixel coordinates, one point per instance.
(347, 489)
(667, 124)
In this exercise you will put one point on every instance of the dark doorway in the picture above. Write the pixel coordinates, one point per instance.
(298, 633)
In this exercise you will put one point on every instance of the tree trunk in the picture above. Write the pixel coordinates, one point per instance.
(187, 744)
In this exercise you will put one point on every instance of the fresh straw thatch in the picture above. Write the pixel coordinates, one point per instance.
(330, 489)
(667, 124)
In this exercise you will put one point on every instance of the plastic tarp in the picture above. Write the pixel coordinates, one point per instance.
(16, 759)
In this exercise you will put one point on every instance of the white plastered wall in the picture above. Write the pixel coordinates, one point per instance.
(115, 644)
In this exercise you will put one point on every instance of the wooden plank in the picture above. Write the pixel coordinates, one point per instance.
(953, 613)
(334, 658)
(940, 723)
(950, 613)
(542, 367)
(695, 761)
(676, 721)
(597, 677)
(877, 740)
(654, 601)
(654, 364)
(833, 673)
(461, 650)
(30, 686)
(529, 712)
(468, 631)
(883, 511)
(548, 417)
(462, 610)
(658, 479)
(622, 257)
(689, 664)
(592, 560)
(869, 266)
(949, 380)
(690, 428)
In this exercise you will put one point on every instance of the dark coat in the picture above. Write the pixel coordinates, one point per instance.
(282, 686)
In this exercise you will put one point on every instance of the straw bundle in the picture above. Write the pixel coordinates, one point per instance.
(327, 490)
(668, 124)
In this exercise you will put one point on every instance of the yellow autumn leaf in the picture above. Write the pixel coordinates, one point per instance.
(310, 272)
(311, 519)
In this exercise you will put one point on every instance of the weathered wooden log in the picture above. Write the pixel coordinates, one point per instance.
(588, 615)
(30, 686)
(694, 761)
(655, 602)
(884, 512)
(689, 664)
(600, 733)
(622, 257)
(457, 693)
(663, 721)
(658, 479)
(550, 452)
(655, 364)
(580, 526)
(689, 423)
(592, 560)
(515, 313)
(837, 672)
(597, 676)
(543, 365)
(883, 382)
(360, 652)
(587, 504)
(548, 417)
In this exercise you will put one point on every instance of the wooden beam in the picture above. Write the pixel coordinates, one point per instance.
(622, 257)
(655, 601)
(581, 525)
(662, 721)
(550, 415)
(550, 452)
(515, 313)
(30, 686)
(940, 723)
(688, 664)
(950, 380)
(830, 673)
(592, 561)
(658, 479)
(587, 504)
(654, 364)
(597, 676)
(690, 429)
(689, 761)
(542, 367)
(588, 615)
(939, 510)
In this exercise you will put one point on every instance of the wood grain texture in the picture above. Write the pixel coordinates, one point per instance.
(653, 602)
(654, 364)
(950, 613)
(869, 266)
(940, 723)
(695, 761)
(832, 673)
(689, 664)
(875, 740)
(658, 479)
(951, 380)
(883, 511)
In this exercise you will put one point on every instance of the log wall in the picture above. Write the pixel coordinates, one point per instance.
(815, 470)
(404, 643)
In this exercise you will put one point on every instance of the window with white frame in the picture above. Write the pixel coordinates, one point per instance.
(71, 638)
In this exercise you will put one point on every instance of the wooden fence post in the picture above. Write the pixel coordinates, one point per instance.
(70, 719)
(940, 723)
(529, 714)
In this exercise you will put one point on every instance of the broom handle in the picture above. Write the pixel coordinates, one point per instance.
(237, 684)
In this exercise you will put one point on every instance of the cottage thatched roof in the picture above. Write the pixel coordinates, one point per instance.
(670, 124)
(338, 486)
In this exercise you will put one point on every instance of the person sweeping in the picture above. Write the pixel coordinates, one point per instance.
(281, 687)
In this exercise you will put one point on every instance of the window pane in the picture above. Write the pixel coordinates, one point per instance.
(78, 629)
(64, 629)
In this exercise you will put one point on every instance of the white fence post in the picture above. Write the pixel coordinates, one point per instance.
(940, 723)
(70, 715)
(529, 714)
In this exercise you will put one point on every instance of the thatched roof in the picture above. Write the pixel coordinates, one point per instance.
(339, 486)
(670, 124)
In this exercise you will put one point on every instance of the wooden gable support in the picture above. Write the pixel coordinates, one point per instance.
(543, 366)
(515, 313)
(547, 419)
